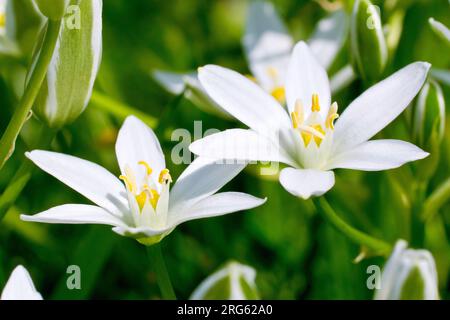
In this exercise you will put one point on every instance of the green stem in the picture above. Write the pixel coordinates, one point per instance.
(436, 200)
(119, 109)
(23, 174)
(417, 225)
(376, 245)
(22, 112)
(162, 276)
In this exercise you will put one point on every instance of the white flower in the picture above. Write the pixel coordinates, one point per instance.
(20, 286)
(307, 140)
(409, 274)
(143, 208)
(234, 281)
(268, 45)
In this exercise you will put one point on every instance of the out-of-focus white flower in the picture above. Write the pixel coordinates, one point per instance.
(234, 281)
(306, 138)
(267, 45)
(20, 286)
(143, 208)
(408, 275)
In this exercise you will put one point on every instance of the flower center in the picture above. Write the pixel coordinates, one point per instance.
(313, 128)
(147, 191)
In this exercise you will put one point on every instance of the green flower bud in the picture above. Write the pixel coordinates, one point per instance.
(408, 275)
(234, 281)
(70, 78)
(429, 116)
(52, 9)
(368, 45)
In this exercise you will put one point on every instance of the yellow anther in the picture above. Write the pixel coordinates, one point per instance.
(2, 20)
(332, 115)
(295, 120)
(299, 111)
(308, 132)
(315, 103)
(142, 198)
(128, 183)
(317, 138)
(154, 197)
(279, 94)
(164, 176)
(306, 136)
(147, 167)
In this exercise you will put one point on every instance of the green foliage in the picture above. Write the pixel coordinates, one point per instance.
(295, 253)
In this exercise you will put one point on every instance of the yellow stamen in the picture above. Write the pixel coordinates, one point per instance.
(315, 103)
(317, 138)
(306, 136)
(295, 120)
(297, 115)
(128, 183)
(164, 176)
(154, 197)
(2, 20)
(142, 198)
(147, 167)
(332, 115)
(279, 94)
(316, 131)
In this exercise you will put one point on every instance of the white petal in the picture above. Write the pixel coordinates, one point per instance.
(378, 106)
(172, 81)
(239, 144)
(440, 29)
(305, 183)
(267, 44)
(137, 142)
(217, 205)
(89, 179)
(328, 37)
(306, 77)
(377, 155)
(243, 99)
(75, 214)
(20, 286)
(342, 78)
(203, 179)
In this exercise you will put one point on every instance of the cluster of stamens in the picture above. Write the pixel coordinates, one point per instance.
(145, 192)
(313, 128)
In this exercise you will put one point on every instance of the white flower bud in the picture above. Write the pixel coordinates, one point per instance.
(70, 78)
(234, 281)
(408, 275)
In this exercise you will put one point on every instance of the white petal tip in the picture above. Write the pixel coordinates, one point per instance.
(27, 218)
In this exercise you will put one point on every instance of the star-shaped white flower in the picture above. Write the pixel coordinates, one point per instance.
(305, 138)
(267, 45)
(20, 286)
(141, 207)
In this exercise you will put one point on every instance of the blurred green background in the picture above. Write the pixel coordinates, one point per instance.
(296, 254)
